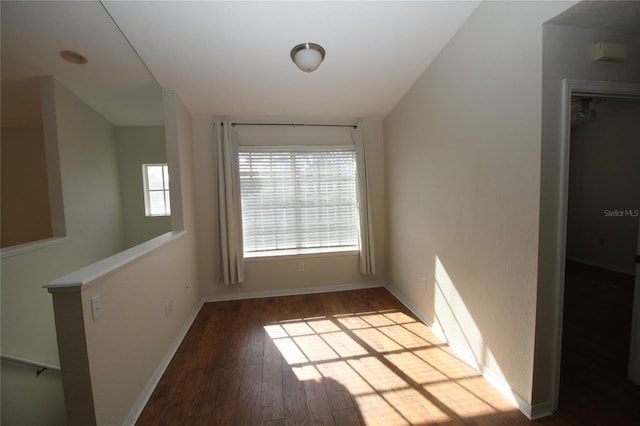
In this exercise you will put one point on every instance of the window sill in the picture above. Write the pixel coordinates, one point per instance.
(293, 254)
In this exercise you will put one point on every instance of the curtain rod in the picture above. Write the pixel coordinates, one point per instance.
(353, 126)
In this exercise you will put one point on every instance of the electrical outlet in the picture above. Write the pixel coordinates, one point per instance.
(96, 306)
(300, 267)
(168, 308)
(425, 283)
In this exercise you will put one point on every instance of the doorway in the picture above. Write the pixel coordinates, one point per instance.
(603, 198)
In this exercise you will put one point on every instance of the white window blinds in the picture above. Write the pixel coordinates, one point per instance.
(298, 199)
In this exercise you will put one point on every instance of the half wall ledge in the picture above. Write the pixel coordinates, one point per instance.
(84, 277)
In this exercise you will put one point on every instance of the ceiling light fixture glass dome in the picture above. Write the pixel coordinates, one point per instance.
(307, 56)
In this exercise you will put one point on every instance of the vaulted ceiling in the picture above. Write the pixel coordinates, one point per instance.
(231, 58)
(225, 58)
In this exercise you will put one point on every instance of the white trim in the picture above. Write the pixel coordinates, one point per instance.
(88, 275)
(137, 408)
(223, 297)
(460, 350)
(31, 246)
(296, 148)
(633, 369)
(541, 410)
(619, 90)
(503, 387)
(147, 191)
(412, 308)
(330, 252)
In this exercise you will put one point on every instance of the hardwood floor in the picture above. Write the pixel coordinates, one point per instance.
(595, 349)
(344, 358)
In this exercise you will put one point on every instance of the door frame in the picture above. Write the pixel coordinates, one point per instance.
(634, 350)
(570, 88)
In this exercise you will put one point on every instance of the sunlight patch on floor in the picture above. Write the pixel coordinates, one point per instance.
(377, 374)
(459, 400)
(378, 341)
(419, 371)
(307, 372)
(377, 411)
(394, 368)
(415, 407)
(343, 373)
(344, 345)
(290, 351)
(353, 322)
(315, 348)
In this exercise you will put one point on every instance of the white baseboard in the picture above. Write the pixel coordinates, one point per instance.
(411, 307)
(157, 375)
(539, 411)
(290, 291)
(500, 385)
(503, 387)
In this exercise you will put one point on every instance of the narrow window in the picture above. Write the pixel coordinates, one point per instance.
(156, 189)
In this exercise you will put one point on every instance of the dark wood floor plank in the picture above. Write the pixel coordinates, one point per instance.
(223, 389)
(247, 407)
(317, 402)
(360, 357)
(346, 417)
(294, 398)
(272, 399)
(595, 349)
(338, 395)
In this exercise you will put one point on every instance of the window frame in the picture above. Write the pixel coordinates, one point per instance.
(307, 251)
(165, 190)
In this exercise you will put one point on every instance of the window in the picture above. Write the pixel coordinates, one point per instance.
(298, 201)
(156, 189)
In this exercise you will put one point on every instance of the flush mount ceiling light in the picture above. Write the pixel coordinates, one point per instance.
(73, 57)
(307, 56)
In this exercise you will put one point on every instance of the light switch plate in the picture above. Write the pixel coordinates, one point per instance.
(96, 306)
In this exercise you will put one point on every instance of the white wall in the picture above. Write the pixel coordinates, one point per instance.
(278, 276)
(87, 156)
(137, 146)
(134, 298)
(566, 54)
(604, 188)
(111, 363)
(462, 175)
